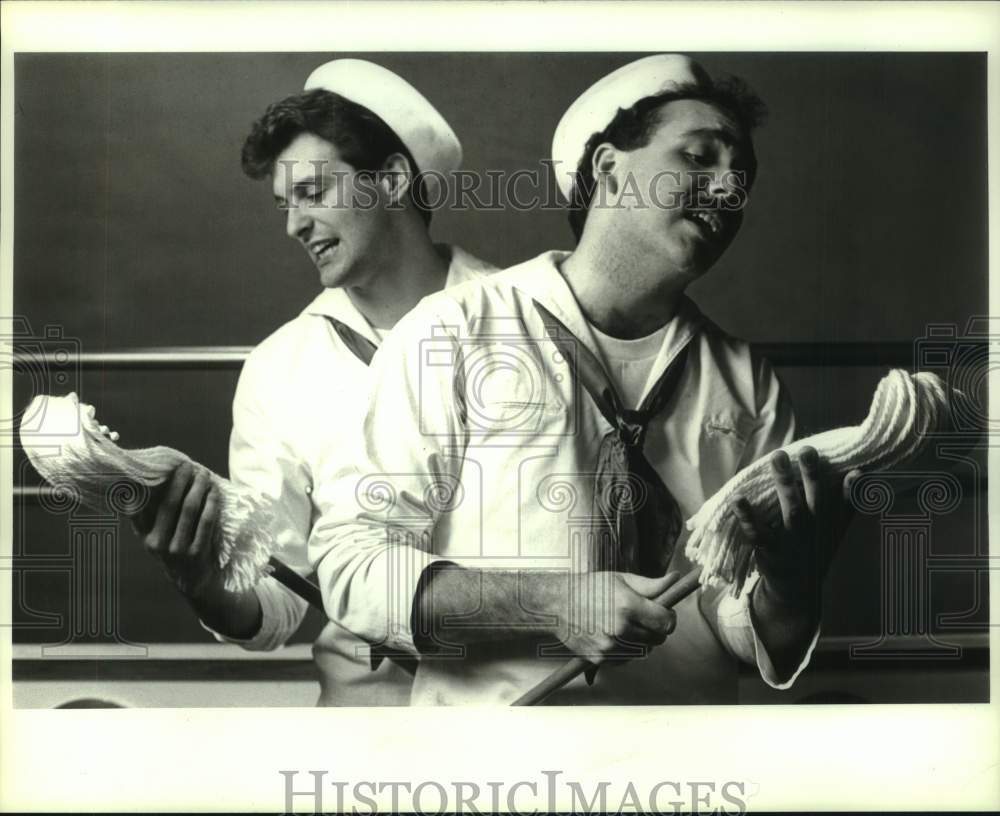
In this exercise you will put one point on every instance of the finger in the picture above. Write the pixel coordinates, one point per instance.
(190, 512)
(649, 587)
(652, 617)
(846, 507)
(751, 535)
(653, 629)
(169, 506)
(138, 525)
(665, 598)
(746, 520)
(759, 537)
(848, 487)
(813, 486)
(671, 624)
(789, 495)
(208, 559)
(634, 635)
(145, 517)
(162, 531)
(203, 535)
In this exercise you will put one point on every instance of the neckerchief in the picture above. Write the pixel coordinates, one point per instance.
(638, 520)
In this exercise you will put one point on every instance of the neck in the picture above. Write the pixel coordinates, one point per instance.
(621, 292)
(411, 269)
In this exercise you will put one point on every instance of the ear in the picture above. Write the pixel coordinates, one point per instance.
(604, 164)
(396, 176)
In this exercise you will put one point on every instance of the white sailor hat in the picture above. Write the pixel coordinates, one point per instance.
(429, 138)
(596, 107)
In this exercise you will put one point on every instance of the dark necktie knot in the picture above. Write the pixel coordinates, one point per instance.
(632, 427)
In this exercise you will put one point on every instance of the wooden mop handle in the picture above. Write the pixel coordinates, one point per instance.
(302, 587)
(310, 592)
(673, 594)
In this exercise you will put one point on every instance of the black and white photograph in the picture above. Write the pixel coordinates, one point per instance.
(361, 392)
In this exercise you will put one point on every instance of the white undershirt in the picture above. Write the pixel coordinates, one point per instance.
(629, 362)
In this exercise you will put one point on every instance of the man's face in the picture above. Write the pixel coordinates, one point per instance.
(690, 185)
(334, 214)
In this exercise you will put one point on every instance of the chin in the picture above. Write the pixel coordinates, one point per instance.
(333, 278)
(700, 261)
(692, 265)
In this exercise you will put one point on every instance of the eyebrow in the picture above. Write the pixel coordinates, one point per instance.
(730, 137)
(296, 186)
(312, 181)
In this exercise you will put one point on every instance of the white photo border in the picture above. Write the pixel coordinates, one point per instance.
(791, 757)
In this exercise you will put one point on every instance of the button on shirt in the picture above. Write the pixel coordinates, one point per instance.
(298, 408)
(479, 450)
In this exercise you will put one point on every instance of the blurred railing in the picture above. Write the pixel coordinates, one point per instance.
(899, 354)
(177, 358)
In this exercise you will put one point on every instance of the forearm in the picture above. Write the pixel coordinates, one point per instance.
(231, 614)
(459, 606)
(785, 629)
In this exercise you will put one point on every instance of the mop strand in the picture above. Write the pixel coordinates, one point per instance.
(74, 453)
(905, 409)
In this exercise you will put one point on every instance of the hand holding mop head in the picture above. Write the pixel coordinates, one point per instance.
(905, 409)
(69, 448)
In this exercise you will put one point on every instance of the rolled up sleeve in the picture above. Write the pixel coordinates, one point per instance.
(281, 614)
(735, 626)
(259, 459)
(734, 623)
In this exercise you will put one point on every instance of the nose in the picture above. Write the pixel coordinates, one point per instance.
(724, 182)
(728, 188)
(298, 223)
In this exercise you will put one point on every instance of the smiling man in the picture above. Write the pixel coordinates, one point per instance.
(351, 161)
(535, 440)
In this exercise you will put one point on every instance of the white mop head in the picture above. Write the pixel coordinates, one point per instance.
(905, 409)
(69, 448)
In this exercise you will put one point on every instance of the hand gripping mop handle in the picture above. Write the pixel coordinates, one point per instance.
(674, 594)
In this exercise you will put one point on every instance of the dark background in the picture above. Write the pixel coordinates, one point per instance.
(134, 227)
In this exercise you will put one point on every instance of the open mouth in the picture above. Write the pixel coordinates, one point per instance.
(709, 222)
(323, 249)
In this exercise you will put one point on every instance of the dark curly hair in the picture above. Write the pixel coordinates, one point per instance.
(362, 139)
(633, 127)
